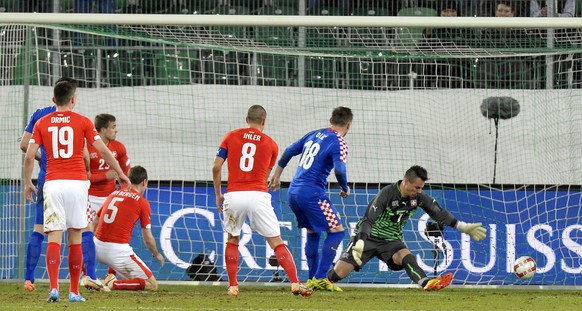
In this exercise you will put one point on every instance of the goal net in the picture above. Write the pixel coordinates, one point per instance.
(493, 114)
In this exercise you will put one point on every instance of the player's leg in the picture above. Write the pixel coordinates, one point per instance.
(329, 250)
(264, 221)
(299, 205)
(326, 218)
(54, 224)
(34, 247)
(121, 258)
(88, 244)
(312, 251)
(232, 257)
(286, 261)
(346, 264)
(75, 262)
(75, 207)
(53, 263)
(235, 209)
(339, 271)
(403, 258)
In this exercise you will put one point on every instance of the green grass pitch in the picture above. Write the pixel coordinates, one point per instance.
(279, 297)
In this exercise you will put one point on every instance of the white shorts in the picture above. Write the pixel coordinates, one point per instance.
(122, 259)
(256, 205)
(95, 204)
(65, 204)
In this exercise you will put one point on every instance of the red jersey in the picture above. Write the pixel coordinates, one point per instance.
(100, 186)
(63, 135)
(250, 154)
(121, 210)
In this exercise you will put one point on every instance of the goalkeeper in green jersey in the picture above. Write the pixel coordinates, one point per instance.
(379, 232)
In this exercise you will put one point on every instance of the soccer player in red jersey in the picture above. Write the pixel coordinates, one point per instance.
(102, 185)
(115, 221)
(63, 135)
(251, 155)
(34, 247)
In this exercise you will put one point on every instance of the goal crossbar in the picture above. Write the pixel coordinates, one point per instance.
(291, 20)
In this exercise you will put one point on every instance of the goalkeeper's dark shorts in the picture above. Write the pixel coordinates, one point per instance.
(382, 249)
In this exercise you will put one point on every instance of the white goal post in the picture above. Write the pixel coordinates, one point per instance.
(297, 21)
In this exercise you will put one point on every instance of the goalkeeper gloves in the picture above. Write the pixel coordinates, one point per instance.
(475, 230)
(357, 251)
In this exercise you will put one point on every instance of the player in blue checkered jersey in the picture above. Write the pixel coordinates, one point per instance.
(321, 151)
(379, 232)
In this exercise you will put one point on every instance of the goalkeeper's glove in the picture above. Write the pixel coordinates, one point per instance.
(475, 230)
(357, 251)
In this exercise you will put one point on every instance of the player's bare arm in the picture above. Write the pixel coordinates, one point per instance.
(150, 243)
(87, 160)
(217, 181)
(29, 158)
(24, 140)
(110, 160)
(275, 182)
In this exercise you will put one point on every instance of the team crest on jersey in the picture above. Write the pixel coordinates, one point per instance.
(114, 154)
(395, 203)
(413, 203)
(93, 155)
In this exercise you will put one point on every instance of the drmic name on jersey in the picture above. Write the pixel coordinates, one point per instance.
(66, 119)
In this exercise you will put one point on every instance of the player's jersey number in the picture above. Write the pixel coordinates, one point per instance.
(310, 150)
(62, 141)
(110, 217)
(103, 165)
(247, 160)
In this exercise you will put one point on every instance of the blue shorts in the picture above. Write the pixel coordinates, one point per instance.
(39, 218)
(313, 210)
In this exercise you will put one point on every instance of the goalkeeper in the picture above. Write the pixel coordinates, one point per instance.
(379, 232)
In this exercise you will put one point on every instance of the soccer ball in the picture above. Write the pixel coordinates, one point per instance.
(525, 267)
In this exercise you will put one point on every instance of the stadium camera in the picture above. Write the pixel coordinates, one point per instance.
(275, 263)
(433, 229)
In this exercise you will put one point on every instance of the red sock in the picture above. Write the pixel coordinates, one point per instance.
(231, 256)
(111, 271)
(53, 263)
(75, 263)
(133, 284)
(286, 261)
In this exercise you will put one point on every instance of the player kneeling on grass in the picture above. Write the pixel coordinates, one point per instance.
(115, 221)
(379, 232)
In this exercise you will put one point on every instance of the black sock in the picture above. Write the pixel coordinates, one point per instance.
(415, 273)
(332, 276)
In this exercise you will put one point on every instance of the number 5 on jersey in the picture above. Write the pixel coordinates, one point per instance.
(110, 217)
